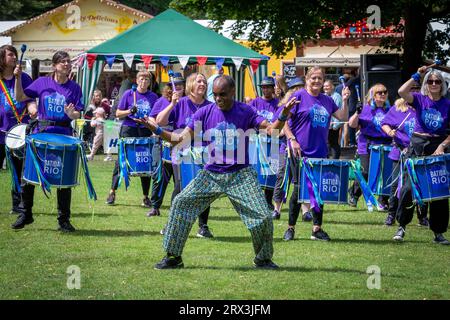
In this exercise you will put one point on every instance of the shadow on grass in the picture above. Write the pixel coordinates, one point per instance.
(356, 223)
(108, 233)
(77, 214)
(224, 218)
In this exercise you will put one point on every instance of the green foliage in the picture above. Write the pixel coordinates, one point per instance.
(116, 248)
(152, 7)
(22, 9)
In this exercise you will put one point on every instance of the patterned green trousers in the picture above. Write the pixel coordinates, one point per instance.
(244, 192)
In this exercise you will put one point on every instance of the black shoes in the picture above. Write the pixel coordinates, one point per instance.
(146, 203)
(399, 235)
(21, 222)
(170, 262)
(153, 213)
(276, 215)
(289, 234)
(66, 227)
(440, 239)
(265, 264)
(111, 199)
(320, 235)
(203, 232)
(307, 216)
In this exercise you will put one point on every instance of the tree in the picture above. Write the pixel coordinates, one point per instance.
(22, 9)
(283, 23)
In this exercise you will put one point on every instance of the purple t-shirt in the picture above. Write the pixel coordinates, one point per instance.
(370, 132)
(394, 118)
(144, 104)
(310, 122)
(52, 99)
(7, 117)
(265, 108)
(183, 112)
(159, 106)
(433, 116)
(226, 132)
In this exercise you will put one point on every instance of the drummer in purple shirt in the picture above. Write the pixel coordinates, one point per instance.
(11, 116)
(60, 102)
(134, 105)
(179, 113)
(309, 124)
(430, 137)
(226, 125)
(399, 123)
(159, 186)
(369, 119)
(266, 107)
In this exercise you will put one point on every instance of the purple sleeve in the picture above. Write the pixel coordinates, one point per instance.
(255, 120)
(156, 109)
(34, 89)
(26, 81)
(123, 105)
(334, 106)
(388, 118)
(198, 116)
(417, 102)
(78, 96)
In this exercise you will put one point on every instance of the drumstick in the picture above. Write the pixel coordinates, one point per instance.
(357, 92)
(134, 87)
(10, 134)
(23, 48)
(171, 80)
(342, 80)
(437, 62)
(398, 128)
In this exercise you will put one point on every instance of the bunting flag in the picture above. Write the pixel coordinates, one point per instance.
(219, 63)
(312, 185)
(128, 59)
(254, 64)
(415, 185)
(164, 61)
(110, 60)
(183, 61)
(202, 60)
(80, 61)
(237, 62)
(91, 59)
(147, 59)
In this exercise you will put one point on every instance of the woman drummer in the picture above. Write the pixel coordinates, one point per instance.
(11, 115)
(60, 101)
(369, 119)
(430, 137)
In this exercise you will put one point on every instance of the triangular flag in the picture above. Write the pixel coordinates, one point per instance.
(110, 60)
(201, 60)
(254, 63)
(237, 62)
(91, 59)
(219, 63)
(164, 60)
(79, 61)
(183, 61)
(147, 60)
(128, 59)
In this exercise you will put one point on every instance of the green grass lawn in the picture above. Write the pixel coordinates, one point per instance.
(116, 248)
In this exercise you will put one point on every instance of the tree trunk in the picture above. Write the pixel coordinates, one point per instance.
(416, 21)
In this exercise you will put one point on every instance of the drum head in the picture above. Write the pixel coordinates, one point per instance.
(15, 138)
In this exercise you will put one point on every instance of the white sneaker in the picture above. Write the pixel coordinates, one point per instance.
(108, 158)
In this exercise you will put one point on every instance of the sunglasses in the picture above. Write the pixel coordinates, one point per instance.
(432, 82)
(381, 92)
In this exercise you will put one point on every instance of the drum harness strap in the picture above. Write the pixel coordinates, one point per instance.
(12, 102)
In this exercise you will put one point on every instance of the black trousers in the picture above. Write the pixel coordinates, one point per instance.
(64, 197)
(2, 155)
(278, 193)
(128, 132)
(16, 196)
(439, 209)
(334, 147)
(393, 200)
(355, 189)
(159, 187)
(203, 217)
(294, 205)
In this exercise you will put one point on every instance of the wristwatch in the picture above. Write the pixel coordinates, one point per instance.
(444, 145)
(292, 139)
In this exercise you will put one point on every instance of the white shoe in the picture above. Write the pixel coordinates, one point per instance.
(108, 158)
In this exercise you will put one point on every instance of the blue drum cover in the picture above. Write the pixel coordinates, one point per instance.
(379, 160)
(57, 156)
(190, 166)
(331, 177)
(143, 155)
(265, 164)
(166, 150)
(433, 176)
